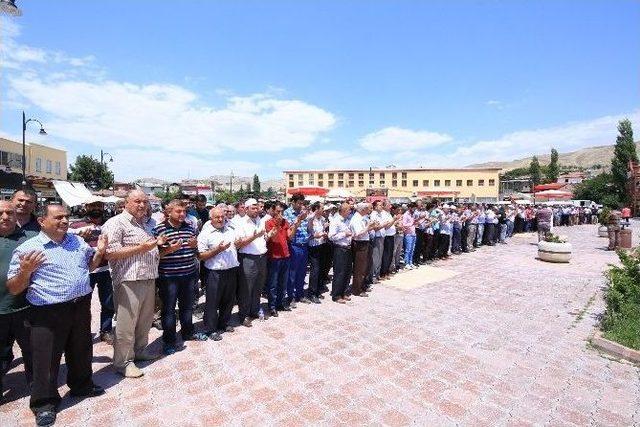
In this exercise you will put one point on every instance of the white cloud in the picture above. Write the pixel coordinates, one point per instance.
(288, 163)
(130, 164)
(395, 138)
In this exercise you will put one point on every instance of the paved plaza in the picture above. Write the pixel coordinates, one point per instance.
(494, 337)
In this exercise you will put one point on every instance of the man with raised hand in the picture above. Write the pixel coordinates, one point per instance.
(133, 257)
(53, 267)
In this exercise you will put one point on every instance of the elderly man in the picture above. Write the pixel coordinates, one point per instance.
(53, 267)
(89, 228)
(25, 201)
(216, 247)
(178, 271)
(13, 308)
(252, 255)
(340, 236)
(133, 257)
(296, 216)
(377, 244)
(360, 243)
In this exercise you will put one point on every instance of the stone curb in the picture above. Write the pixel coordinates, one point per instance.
(615, 349)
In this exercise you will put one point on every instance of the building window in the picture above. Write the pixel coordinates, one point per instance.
(330, 176)
(351, 176)
(320, 176)
(404, 183)
(394, 175)
(447, 183)
(350, 184)
(404, 175)
(372, 175)
(340, 183)
(458, 183)
(58, 171)
(480, 182)
(320, 183)
(415, 182)
(469, 183)
(436, 183)
(492, 182)
(360, 183)
(49, 166)
(381, 183)
(330, 183)
(291, 176)
(360, 176)
(381, 175)
(394, 183)
(340, 175)
(290, 183)
(300, 183)
(425, 182)
(300, 177)
(38, 164)
(371, 182)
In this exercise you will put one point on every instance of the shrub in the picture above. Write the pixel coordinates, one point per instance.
(621, 321)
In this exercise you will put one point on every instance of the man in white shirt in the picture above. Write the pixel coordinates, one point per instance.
(377, 245)
(252, 255)
(340, 237)
(360, 242)
(216, 247)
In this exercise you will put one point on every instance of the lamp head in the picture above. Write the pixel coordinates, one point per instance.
(42, 131)
(8, 7)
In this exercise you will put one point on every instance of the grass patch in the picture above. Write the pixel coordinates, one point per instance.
(621, 321)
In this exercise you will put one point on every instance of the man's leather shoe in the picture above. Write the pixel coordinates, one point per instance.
(96, 390)
(315, 300)
(305, 300)
(347, 298)
(362, 294)
(215, 336)
(321, 296)
(285, 308)
(247, 322)
(45, 418)
(130, 371)
(293, 304)
(273, 312)
(229, 329)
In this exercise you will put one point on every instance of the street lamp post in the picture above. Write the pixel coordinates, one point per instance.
(104, 153)
(24, 150)
(8, 7)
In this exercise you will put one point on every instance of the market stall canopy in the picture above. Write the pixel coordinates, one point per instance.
(339, 193)
(75, 194)
(553, 194)
(310, 190)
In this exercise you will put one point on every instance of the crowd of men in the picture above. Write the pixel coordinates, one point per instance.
(141, 261)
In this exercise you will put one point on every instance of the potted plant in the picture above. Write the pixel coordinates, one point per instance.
(603, 220)
(554, 248)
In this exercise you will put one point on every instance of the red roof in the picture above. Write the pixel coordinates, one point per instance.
(309, 191)
(551, 186)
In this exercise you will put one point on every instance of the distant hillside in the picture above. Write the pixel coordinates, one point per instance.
(585, 158)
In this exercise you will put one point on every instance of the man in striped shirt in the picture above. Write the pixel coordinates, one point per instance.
(133, 257)
(177, 272)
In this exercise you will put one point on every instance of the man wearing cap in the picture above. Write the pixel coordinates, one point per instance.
(252, 254)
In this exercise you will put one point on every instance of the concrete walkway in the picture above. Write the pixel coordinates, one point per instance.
(494, 337)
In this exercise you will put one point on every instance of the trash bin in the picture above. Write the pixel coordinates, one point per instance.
(625, 238)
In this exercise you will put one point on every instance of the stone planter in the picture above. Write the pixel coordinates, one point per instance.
(554, 252)
(602, 231)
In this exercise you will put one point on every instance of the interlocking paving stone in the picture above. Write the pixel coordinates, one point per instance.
(499, 338)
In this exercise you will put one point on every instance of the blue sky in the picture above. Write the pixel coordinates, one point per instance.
(195, 88)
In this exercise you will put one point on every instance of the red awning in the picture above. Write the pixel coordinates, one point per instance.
(550, 186)
(438, 193)
(309, 191)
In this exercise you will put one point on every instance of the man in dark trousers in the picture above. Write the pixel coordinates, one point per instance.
(13, 308)
(59, 292)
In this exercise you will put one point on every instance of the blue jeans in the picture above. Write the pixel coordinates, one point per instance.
(503, 233)
(509, 228)
(297, 271)
(102, 279)
(176, 289)
(277, 279)
(409, 247)
(480, 234)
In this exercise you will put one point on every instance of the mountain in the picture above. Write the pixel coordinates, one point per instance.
(583, 158)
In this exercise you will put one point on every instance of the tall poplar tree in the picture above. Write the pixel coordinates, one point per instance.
(623, 153)
(553, 171)
(534, 171)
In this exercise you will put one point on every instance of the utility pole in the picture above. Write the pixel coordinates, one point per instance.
(231, 183)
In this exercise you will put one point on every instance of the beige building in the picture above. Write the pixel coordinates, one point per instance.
(466, 184)
(42, 161)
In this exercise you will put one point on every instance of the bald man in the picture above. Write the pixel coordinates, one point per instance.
(133, 257)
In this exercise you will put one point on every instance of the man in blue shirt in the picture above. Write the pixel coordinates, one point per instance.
(296, 215)
(53, 267)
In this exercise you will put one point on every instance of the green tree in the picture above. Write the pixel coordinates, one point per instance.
(270, 194)
(90, 171)
(256, 185)
(534, 171)
(623, 153)
(553, 170)
(167, 196)
(598, 189)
